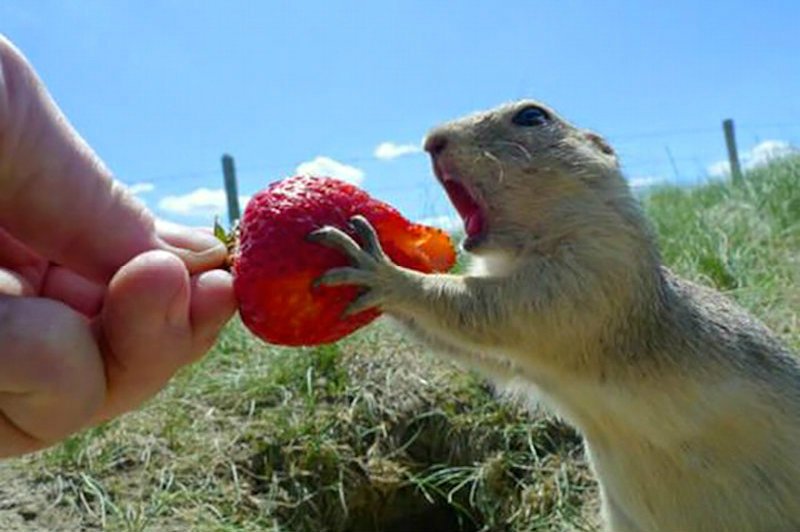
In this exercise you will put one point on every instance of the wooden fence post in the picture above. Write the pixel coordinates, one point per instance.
(231, 190)
(733, 153)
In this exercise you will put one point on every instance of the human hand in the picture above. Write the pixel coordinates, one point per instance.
(99, 305)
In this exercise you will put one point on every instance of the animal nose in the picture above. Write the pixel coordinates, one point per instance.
(436, 143)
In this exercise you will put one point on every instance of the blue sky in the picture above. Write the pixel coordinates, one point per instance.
(162, 89)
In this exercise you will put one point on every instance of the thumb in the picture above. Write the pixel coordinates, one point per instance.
(58, 197)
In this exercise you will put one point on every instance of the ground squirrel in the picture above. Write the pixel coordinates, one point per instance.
(690, 408)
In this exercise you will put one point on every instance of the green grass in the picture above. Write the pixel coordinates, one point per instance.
(743, 240)
(374, 433)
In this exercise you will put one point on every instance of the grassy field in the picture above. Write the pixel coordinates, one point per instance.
(374, 433)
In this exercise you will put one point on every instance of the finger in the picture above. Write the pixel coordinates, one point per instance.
(59, 284)
(199, 249)
(365, 301)
(55, 193)
(24, 273)
(344, 276)
(144, 329)
(213, 303)
(21, 263)
(51, 373)
(78, 292)
(336, 238)
(368, 236)
(154, 321)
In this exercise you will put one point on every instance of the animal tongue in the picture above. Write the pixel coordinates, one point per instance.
(467, 207)
(473, 224)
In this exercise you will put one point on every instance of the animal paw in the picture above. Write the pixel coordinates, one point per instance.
(371, 268)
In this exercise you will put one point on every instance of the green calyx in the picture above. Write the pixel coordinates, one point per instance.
(229, 238)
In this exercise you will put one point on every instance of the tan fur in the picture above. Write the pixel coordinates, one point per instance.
(690, 408)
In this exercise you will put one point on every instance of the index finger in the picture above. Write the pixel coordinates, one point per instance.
(55, 193)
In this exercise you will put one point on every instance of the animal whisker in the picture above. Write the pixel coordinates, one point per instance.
(517, 145)
(491, 157)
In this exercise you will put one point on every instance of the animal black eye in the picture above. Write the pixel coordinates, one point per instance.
(530, 116)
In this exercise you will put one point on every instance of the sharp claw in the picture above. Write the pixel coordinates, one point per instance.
(365, 301)
(368, 235)
(360, 219)
(335, 238)
(344, 276)
(317, 235)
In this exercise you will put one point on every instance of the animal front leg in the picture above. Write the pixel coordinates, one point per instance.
(371, 268)
(483, 312)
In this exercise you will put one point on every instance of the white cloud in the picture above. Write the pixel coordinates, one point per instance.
(326, 167)
(719, 169)
(199, 202)
(387, 151)
(645, 181)
(140, 188)
(759, 155)
(767, 151)
(448, 223)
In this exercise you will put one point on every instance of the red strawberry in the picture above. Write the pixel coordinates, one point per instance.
(274, 266)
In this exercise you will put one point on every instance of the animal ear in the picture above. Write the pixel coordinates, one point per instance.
(600, 142)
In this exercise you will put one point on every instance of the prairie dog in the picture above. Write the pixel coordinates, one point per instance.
(690, 408)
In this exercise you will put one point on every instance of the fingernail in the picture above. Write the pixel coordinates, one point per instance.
(200, 241)
(189, 238)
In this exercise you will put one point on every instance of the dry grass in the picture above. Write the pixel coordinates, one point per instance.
(369, 434)
(374, 433)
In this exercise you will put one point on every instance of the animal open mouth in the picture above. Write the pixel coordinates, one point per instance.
(469, 208)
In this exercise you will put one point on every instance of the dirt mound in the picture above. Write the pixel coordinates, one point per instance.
(371, 434)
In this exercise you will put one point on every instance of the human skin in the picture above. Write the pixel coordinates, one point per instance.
(99, 304)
